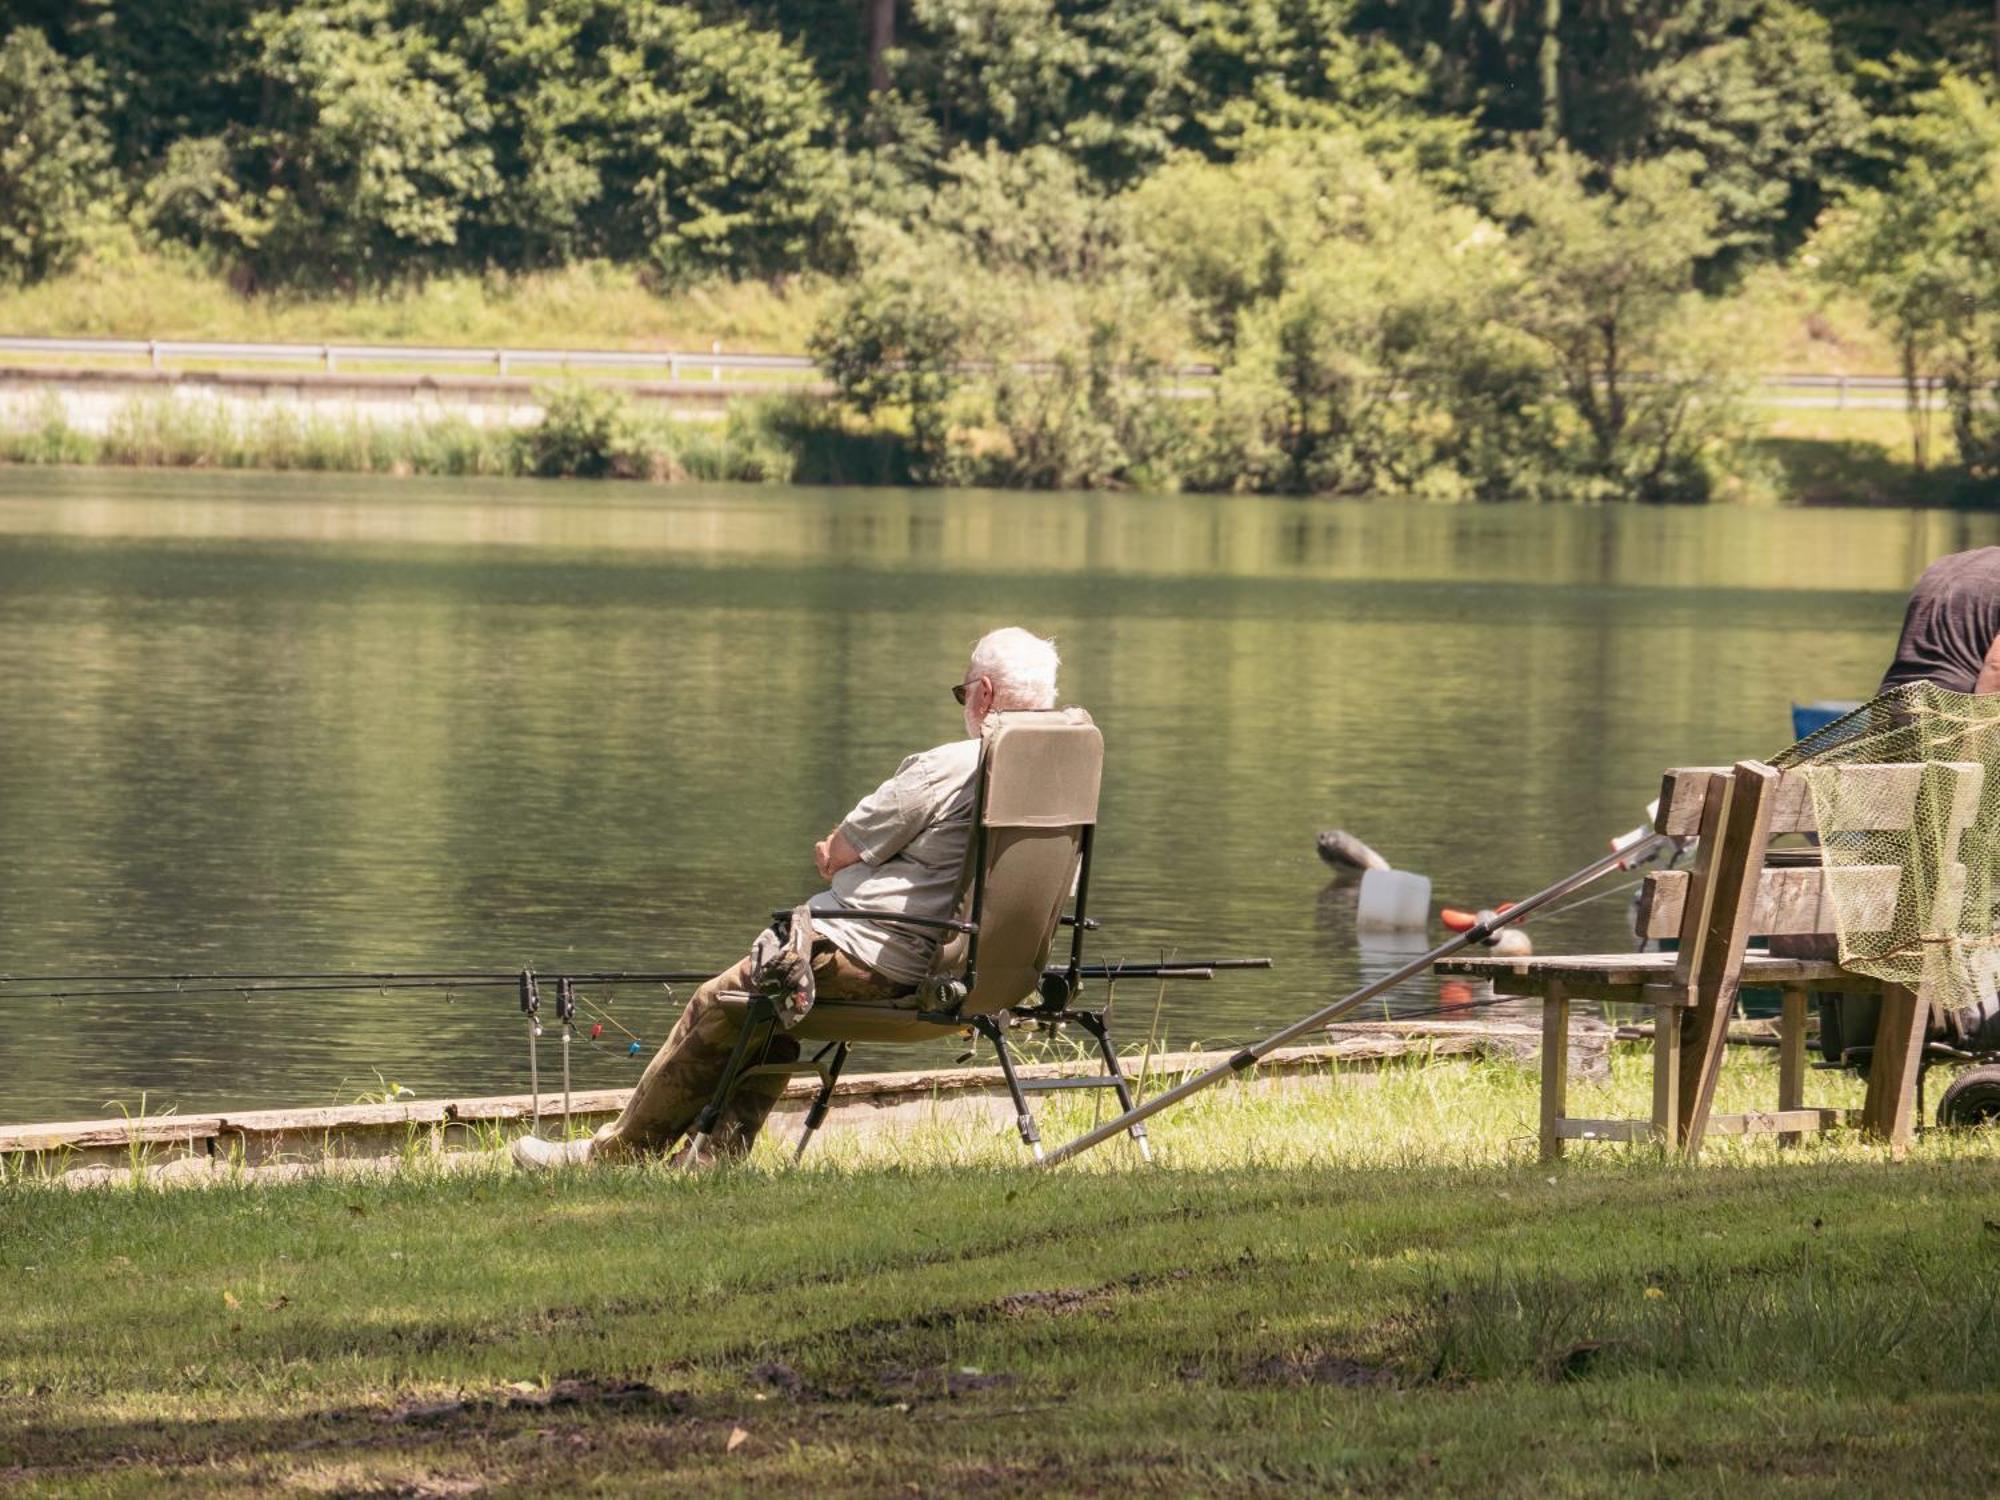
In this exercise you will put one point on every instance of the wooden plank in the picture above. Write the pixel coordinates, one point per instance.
(1792, 1056)
(1786, 1122)
(1701, 890)
(1555, 1070)
(1889, 1109)
(1684, 792)
(1794, 901)
(1606, 1130)
(353, 1116)
(1732, 858)
(1684, 797)
(89, 1135)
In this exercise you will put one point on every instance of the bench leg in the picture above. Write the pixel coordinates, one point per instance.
(1555, 1069)
(1666, 1073)
(1792, 1059)
(1704, 1045)
(1889, 1110)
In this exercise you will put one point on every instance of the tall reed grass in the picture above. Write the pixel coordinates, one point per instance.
(582, 433)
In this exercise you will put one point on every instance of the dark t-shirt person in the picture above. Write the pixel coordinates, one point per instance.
(1951, 631)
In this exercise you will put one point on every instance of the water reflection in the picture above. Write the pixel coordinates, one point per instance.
(284, 722)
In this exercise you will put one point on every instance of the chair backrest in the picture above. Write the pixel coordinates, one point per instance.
(1798, 901)
(1039, 779)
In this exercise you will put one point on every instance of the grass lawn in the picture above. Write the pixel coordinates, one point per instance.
(1351, 1286)
(166, 296)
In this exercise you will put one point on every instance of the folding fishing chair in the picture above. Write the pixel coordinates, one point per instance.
(1034, 820)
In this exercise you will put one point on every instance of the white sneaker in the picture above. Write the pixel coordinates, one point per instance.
(533, 1151)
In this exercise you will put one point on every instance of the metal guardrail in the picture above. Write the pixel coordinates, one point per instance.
(677, 364)
(332, 357)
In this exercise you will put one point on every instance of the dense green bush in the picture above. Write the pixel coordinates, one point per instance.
(1361, 320)
(896, 342)
(586, 432)
(54, 157)
(1094, 418)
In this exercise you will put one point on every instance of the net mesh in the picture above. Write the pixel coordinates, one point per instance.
(1906, 795)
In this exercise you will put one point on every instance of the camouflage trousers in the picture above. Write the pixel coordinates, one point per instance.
(682, 1076)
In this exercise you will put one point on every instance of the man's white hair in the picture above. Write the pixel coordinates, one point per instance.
(1022, 665)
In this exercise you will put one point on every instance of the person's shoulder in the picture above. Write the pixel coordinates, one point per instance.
(1980, 565)
(951, 755)
(952, 761)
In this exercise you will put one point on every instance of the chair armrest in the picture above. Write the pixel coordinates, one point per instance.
(943, 924)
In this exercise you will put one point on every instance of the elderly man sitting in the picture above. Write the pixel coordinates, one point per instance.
(901, 849)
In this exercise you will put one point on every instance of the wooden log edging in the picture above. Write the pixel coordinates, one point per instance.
(871, 1102)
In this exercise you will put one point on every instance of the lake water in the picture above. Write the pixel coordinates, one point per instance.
(283, 723)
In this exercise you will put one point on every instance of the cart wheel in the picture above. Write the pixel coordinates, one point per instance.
(1973, 1097)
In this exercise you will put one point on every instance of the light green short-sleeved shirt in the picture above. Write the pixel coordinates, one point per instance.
(911, 833)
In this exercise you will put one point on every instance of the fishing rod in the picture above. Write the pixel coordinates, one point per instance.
(366, 976)
(336, 981)
(353, 981)
(1249, 1056)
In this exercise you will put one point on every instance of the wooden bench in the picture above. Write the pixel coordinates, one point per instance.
(1735, 892)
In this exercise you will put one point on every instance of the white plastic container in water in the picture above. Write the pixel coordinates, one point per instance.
(1393, 901)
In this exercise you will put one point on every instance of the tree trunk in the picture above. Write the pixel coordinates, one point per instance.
(1549, 60)
(882, 36)
(1919, 407)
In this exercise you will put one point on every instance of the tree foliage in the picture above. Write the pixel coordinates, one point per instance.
(54, 156)
(370, 155)
(1609, 292)
(1105, 81)
(1361, 314)
(896, 343)
(1765, 109)
(1924, 251)
(398, 136)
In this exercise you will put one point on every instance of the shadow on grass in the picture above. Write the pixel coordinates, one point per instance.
(1822, 471)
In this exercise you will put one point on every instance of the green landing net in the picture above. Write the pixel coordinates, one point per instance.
(1906, 795)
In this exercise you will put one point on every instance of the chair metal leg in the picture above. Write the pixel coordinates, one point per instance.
(1031, 1137)
(760, 1014)
(816, 1116)
(1093, 1022)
